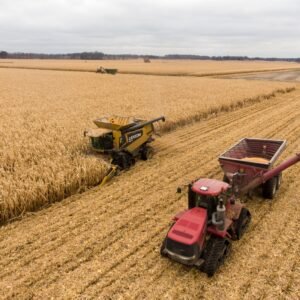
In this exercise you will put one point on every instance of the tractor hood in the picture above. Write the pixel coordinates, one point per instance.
(189, 227)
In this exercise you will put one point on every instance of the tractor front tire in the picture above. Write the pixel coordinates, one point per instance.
(163, 246)
(242, 223)
(269, 188)
(216, 251)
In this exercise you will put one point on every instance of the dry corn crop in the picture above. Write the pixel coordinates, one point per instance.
(137, 66)
(43, 154)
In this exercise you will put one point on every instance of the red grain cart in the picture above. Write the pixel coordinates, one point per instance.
(251, 158)
(201, 235)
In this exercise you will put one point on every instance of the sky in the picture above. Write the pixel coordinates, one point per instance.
(202, 27)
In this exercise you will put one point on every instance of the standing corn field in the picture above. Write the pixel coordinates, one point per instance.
(44, 156)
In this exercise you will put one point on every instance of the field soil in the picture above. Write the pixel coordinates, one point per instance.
(105, 243)
(44, 156)
(288, 76)
(156, 67)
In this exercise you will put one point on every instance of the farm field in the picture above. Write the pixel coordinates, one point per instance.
(44, 156)
(288, 76)
(162, 67)
(105, 243)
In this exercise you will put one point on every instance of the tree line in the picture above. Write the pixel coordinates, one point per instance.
(100, 55)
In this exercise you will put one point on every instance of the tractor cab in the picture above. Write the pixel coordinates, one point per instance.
(186, 239)
(205, 193)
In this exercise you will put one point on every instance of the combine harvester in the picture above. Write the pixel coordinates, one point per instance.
(124, 139)
(107, 71)
(202, 235)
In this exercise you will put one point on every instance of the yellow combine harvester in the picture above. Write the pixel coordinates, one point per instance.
(124, 138)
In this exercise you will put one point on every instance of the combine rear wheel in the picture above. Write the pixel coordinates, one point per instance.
(242, 222)
(269, 188)
(216, 251)
(146, 153)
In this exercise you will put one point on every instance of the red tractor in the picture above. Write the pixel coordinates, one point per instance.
(202, 235)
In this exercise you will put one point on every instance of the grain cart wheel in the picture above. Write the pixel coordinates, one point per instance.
(242, 222)
(216, 251)
(226, 179)
(269, 188)
(147, 153)
(279, 180)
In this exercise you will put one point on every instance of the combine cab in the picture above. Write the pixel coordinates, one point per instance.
(201, 236)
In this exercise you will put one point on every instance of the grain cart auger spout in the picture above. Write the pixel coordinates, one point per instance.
(201, 236)
(124, 138)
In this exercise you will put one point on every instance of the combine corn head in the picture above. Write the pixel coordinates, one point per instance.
(123, 138)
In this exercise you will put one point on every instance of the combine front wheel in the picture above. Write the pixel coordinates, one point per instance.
(123, 160)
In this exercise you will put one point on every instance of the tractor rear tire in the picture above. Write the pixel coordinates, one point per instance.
(242, 223)
(216, 251)
(269, 188)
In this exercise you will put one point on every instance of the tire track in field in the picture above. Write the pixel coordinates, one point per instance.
(263, 250)
(111, 208)
(93, 281)
(115, 291)
(89, 236)
(186, 281)
(259, 216)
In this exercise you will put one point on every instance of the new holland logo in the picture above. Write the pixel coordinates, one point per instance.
(134, 136)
